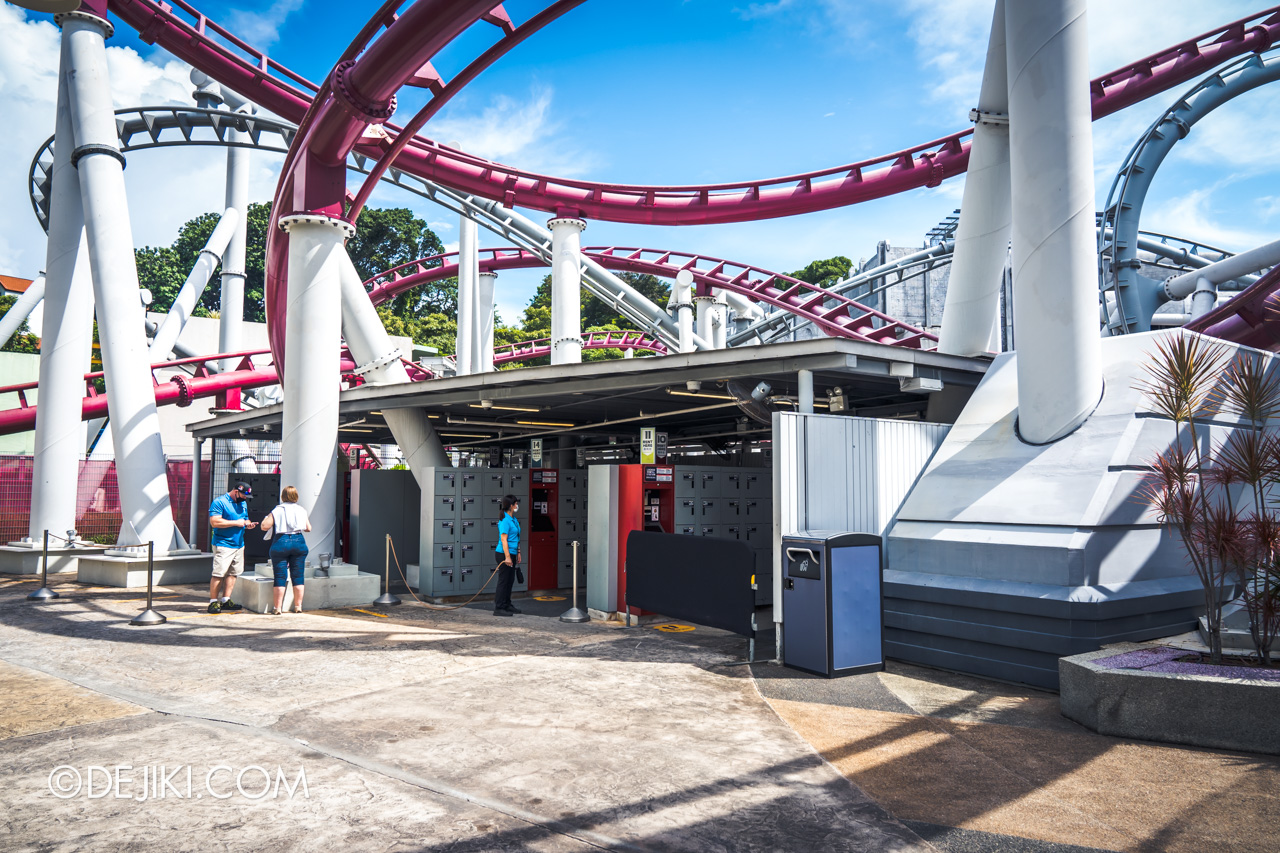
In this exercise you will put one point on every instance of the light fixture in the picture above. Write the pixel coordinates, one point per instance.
(545, 423)
(354, 429)
(676, 393)
(464, 435)
(492, 405)
(375, 413)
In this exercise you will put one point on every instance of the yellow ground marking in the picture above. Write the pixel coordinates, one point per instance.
(673, 629)
(370, 612)
(549, 598)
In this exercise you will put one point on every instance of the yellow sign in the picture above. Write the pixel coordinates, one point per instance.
(549, 598)
(648, 445)
(674, 629)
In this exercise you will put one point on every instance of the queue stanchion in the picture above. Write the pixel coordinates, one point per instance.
(44, 593)
(575, 613)
(387, 599)
(149, 616)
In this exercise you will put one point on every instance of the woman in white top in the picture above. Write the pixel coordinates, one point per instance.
(285, 525)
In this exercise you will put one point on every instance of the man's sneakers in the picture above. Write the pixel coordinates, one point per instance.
(503, 612)
(230, 606)
(514, 609)
(214, 607)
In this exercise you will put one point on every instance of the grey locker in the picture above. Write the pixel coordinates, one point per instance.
(686, 483)
(708, 510)
(569, 505)
(732, 509)
(471, 529)
(757, 484)
(472, 554)
(757, 509)
(446, 506)
(709, 483)
(687, 530)
(708, 529)
(572, 528)
(491, 508)
(444, 574)
(472, 506)
(494, 481)
(446, 530)
(758, 536)
(470, 579)
(731, 531)
(446, 481)
(469, 482)
(517, 482)
(731, 484)
(573, 482)
(687, 510)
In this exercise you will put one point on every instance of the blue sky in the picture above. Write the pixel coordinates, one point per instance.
(667, 91)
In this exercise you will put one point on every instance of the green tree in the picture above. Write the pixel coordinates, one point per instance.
(22, 340)
(825, 273)
(387, 238)
(596, 315)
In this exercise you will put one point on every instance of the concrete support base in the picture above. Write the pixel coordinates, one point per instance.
(22, 560)
(343, 586)
(1007, 555)
(131, 572)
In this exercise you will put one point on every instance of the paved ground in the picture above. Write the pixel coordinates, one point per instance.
(425, 730)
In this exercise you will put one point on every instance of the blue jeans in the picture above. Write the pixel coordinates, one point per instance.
(288, 557)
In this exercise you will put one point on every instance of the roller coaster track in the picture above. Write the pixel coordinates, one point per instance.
(186, 33)
(1133, 299)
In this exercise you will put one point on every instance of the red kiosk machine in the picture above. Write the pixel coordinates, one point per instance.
(543, 554)
(646, 501)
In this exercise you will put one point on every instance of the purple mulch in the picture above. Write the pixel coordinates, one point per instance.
(1162, 659)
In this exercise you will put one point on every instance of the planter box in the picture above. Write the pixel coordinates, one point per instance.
(1200, 710)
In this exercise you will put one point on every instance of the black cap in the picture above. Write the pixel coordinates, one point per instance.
(244, 489)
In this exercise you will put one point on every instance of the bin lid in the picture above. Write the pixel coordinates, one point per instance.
(834, 538)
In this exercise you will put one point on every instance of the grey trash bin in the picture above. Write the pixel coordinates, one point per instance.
(831, 602)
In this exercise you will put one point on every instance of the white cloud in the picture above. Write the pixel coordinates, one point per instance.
(261, 28)
(1196, 215)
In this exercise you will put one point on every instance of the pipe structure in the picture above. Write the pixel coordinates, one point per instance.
(719, 311)
(466, 350)
(566, 289)
(1204, 298)
(1181, 286)
(1055, 275)
(231, 303)
(485, 314)
(135, 425)
(66, 336)
(378, 361)
(804, 382)
(313, 341)
(702, 315)
(21, 309)
(189, 295)
(972, 311)
(682, 294)
(197, 451)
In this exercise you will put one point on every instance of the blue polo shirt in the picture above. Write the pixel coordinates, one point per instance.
(511, 527)
(228, 537)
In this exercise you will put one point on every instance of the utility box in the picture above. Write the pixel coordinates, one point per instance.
(832, 602)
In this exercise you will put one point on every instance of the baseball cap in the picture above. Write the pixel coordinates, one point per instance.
(244, 489)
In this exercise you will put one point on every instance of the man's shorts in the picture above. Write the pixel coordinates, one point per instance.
(227, 561)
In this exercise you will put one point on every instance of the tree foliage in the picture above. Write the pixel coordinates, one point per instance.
(825, 273)
(22, 340)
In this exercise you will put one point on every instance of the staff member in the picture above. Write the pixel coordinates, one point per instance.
(286, 524)
(508, 544)
(229, 519)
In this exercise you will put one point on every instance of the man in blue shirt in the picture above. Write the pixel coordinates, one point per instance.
(508, 554)
(229, 519)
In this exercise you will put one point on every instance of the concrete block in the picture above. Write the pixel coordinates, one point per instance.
(255, 592)
(19, 560)
(131, 572)
(337, 570)
(1222, 713)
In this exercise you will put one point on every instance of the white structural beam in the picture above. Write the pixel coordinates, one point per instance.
(485, 314)
(135, 426)
(66, 338)
(720, 321)
(231, 304)
(1055, 276)
(193, 288)
(1220, 272)
(313, 340)
(682, 301)
(970, 318)
(22, 306)
(566, 289)
(468, 293)
(378, 361)
(702, 315)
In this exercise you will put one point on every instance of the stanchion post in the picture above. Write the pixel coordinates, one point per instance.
(44, 593)
(387, 599)
(574, 613)
(149, 616)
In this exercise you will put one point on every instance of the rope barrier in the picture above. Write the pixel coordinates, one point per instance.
(427, 604)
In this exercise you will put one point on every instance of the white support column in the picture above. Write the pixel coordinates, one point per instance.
(702, 316)
(135, 426)
(197, 511)
(468, 291)
(66, 337)
(23, 305)
(683, 296)
(804, 380)
(313, 340)
(379, 362)
(566, 289)
(1054, 238)
(720, 321)
(1204, 298)
(971, 316)
(485, 314)
(231, 305)
(193, 288)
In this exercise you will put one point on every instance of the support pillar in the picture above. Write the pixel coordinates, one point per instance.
(135, 425)
(485, 314)
(197, 514)
(23, 305)
(1054, 238)
(971, 316)
(804, 379)
(720, 321)
(702, 317)
(66, 339)
(231, 304)
(313, 340)
(468, 295)
(566, 289)
(683, 296)
(210, 256)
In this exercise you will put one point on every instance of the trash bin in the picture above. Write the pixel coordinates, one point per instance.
(831, 602)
